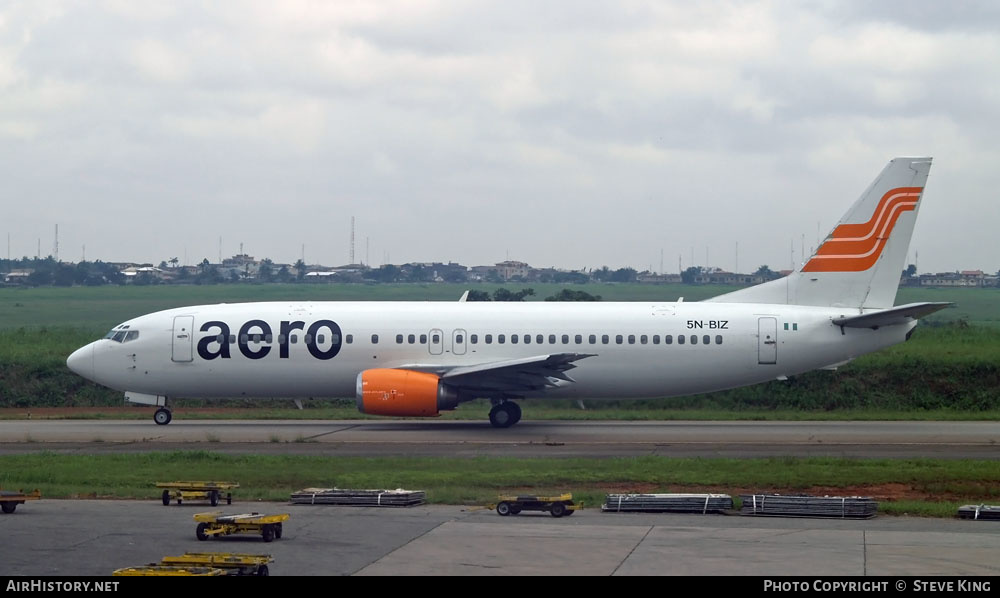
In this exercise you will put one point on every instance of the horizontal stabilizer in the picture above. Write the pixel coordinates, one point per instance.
(902, 314)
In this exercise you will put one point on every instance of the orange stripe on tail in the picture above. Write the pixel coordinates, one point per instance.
(856, 247)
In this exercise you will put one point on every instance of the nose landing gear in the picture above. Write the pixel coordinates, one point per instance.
(505, 414)
(162, 416)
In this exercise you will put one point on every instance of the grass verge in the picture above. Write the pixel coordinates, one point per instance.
(926, 487)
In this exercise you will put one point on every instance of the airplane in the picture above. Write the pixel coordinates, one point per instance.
(418, 359)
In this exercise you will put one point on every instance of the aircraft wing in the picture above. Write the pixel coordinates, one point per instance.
(900, 314)
(511, 375)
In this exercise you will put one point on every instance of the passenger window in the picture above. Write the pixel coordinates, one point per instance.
(579, 339)
(220, 339)
(268, 338)
(631, 339)
(411, 339)
(593, 339)
(423, 339)
(668, 339)
(694, 339)
(619, 339)
(458, 339)
(489, 339)
(436, 338)
(706, 340)
(295, 339)
(527, 339)
(680, 339)
(349, 338)
(399, 339)
(335, 339)
(374, 339)
(513, 339)
(643, 339)
(256, 338)
(320, 338)
(552, 339)
(565, 339)
(605, 339)
(500, 339)
(539, 339)
(718, 339)
(244, 338)
(473, 338)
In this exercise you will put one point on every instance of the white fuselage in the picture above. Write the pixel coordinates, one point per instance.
(177, 353)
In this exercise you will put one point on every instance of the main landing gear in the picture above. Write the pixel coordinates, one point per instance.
(162, 416)
(505, 414)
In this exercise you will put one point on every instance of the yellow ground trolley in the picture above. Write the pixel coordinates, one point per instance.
(233, 563)
(192, 490)
(9, 499)
(167, 571)
(215, 524)
(557, 506)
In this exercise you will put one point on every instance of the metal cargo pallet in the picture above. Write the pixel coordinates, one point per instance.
(192, 490)
(557, 506)
(980, 512)
(232, 563)
(667, 503)
(778, 505)
(215, 524)
(9, 499)
(359, 498)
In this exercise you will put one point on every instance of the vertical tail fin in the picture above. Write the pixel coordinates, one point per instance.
(859, 263)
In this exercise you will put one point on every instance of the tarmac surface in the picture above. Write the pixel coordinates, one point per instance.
(95, 537)
(959, 440)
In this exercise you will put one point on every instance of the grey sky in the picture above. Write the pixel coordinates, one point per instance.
(568, 134)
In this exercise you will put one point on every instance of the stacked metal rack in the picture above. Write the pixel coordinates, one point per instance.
(980, 512)
(667, 503)
(778, 505)
(359, 498)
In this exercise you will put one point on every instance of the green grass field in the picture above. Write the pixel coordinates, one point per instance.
(100, 308)
(929, 487)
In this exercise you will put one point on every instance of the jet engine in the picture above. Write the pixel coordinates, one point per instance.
(403, 392)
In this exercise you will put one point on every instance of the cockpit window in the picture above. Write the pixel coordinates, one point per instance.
(122, 334)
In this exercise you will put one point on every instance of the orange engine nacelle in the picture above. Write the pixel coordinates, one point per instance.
(403, 392)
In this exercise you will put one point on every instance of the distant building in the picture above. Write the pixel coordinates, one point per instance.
(651, 278)
(153, 272)
(965, 278)
(17, 276)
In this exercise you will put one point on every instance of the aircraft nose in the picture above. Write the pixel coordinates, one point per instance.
(82, 361)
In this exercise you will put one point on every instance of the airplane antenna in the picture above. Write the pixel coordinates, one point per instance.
(352, 239)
